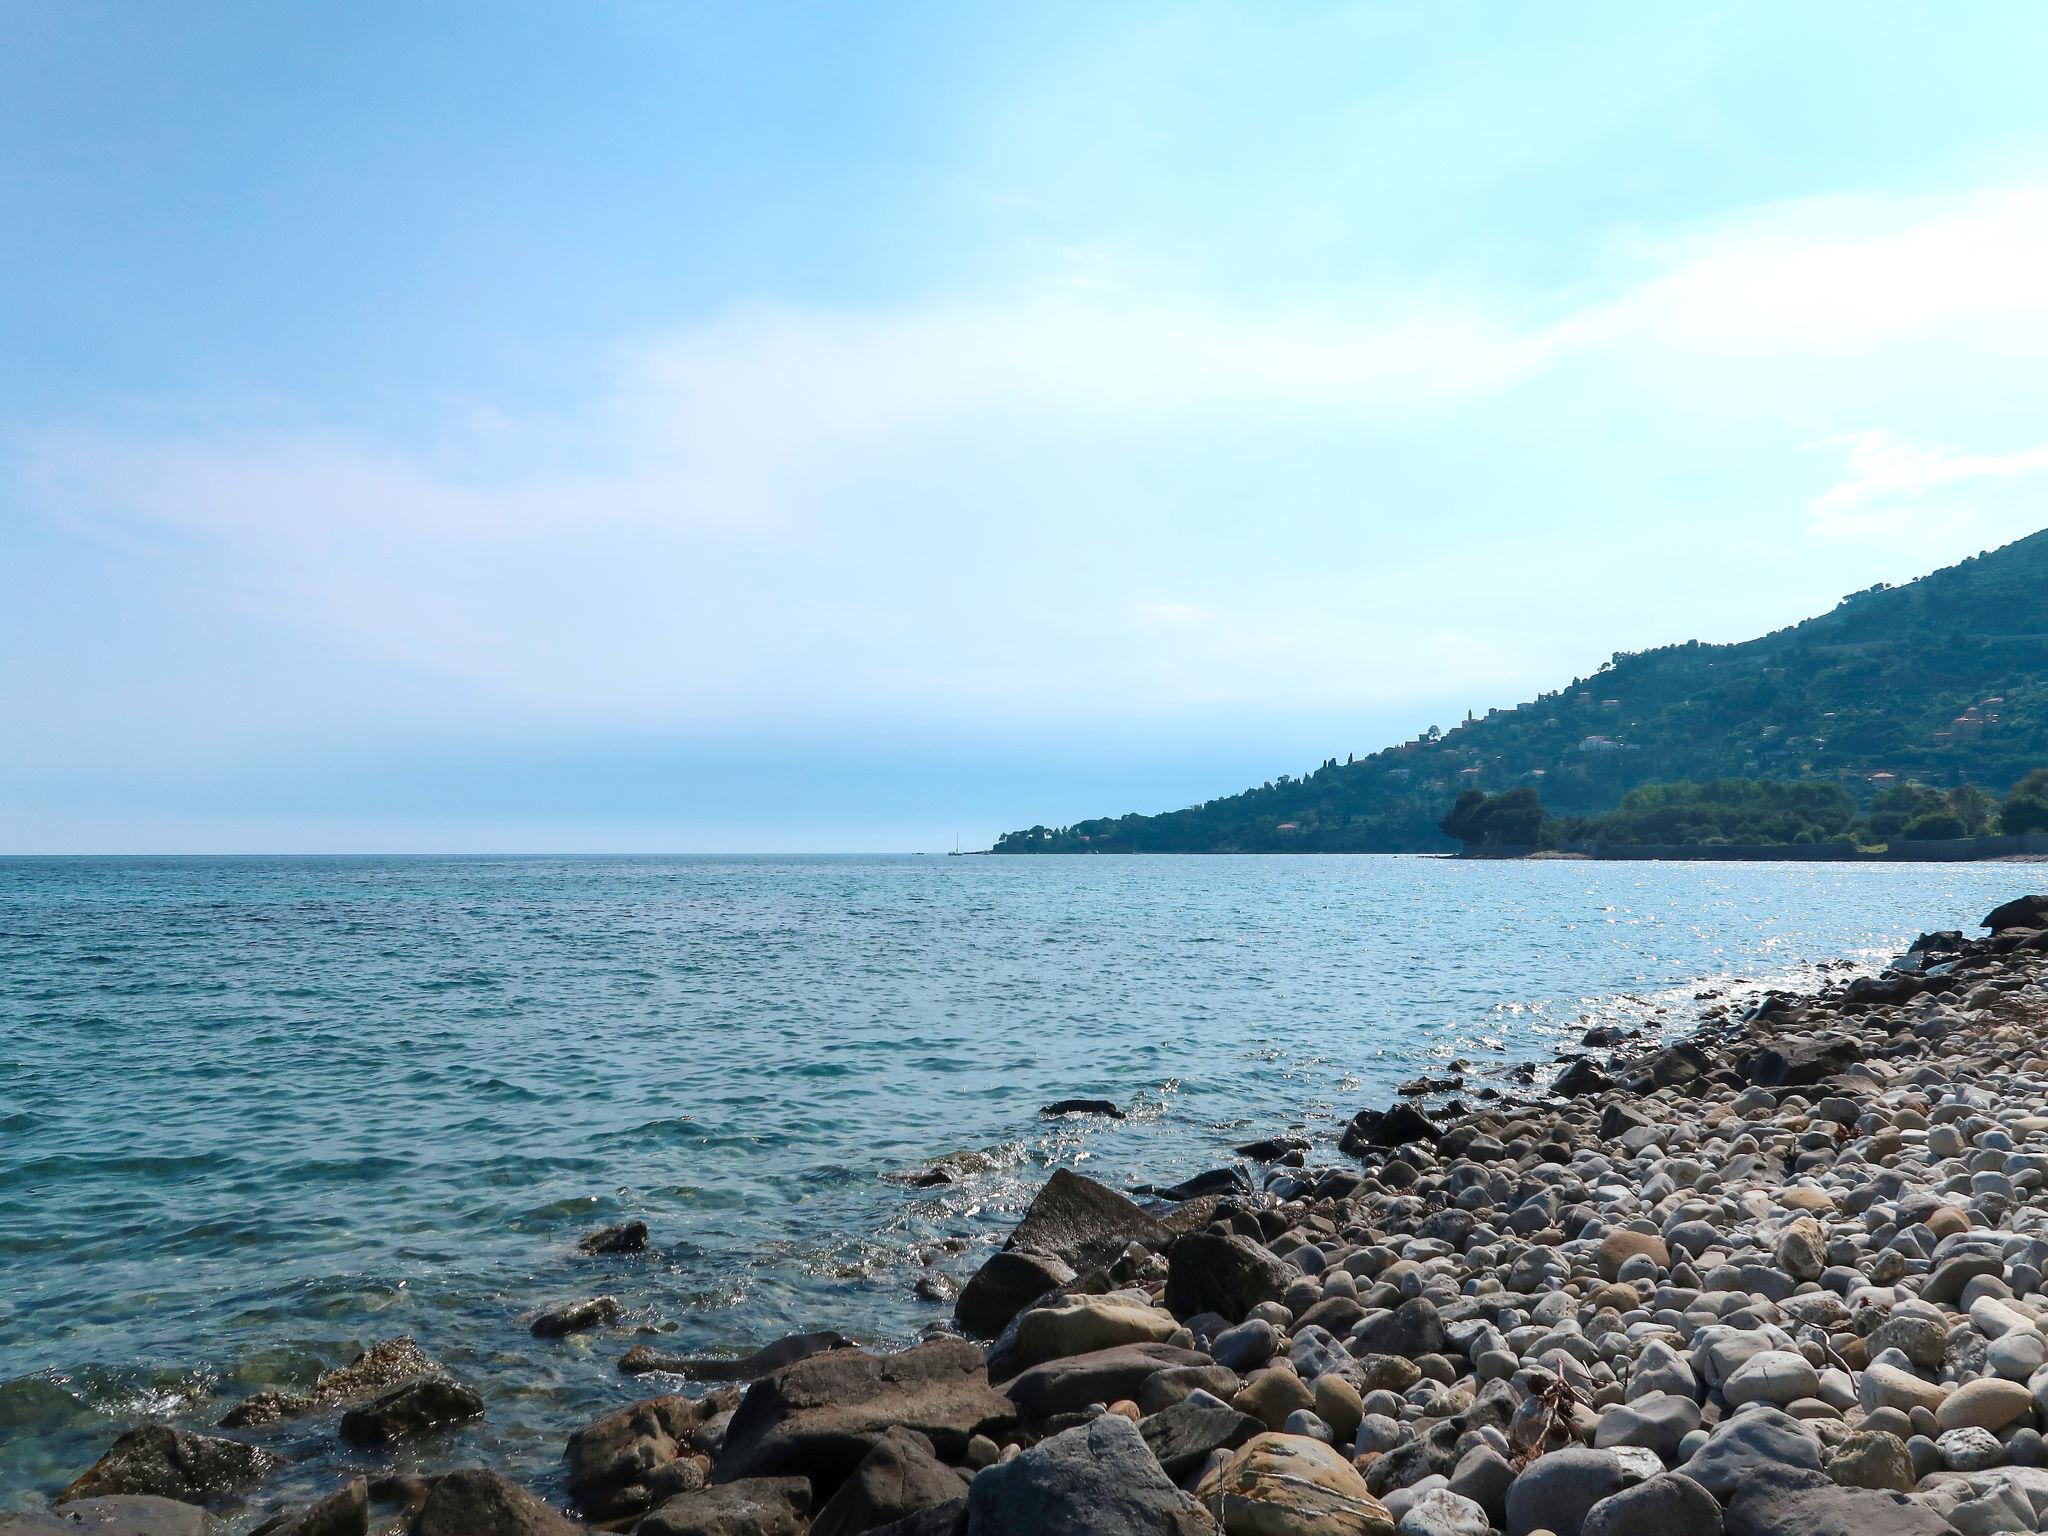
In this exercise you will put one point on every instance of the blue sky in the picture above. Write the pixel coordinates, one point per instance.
(669, 427)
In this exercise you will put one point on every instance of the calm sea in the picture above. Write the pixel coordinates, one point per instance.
(257, 1113)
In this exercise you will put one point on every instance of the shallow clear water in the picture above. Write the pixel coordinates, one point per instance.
(256, 1113)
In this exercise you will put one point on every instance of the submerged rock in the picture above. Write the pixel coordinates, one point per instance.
(172, 1464)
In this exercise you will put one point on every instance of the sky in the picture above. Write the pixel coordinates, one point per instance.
(634, 427)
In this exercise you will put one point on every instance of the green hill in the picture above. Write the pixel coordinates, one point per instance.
(1943, 680)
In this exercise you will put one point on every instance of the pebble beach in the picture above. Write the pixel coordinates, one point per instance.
(1781, 1275)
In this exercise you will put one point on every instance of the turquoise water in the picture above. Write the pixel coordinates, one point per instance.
(256, 1113)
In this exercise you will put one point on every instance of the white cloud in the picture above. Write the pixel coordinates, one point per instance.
(1887, 479)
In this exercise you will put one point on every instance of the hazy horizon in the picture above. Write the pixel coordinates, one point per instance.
(700, 429)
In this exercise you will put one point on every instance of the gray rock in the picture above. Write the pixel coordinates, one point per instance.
(899, 1477)
(1785, 1501)
(1247, 1346)
(1084, 1224)
(1556, 1492)
(748, 1506)
(117, 1514)
(577, 1317)
(1411, 1329)
(1441, 1512)
(1223, 1273)
(1098, 1479)
(1750, 1442)
(1181, 1437)
(787, 1350)
(172, 1464)
(626, 1237)
(1670, 1505)
(1656, 1423)
(1101, 1376)
(1872, 1458)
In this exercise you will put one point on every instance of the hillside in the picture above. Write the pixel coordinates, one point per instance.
(1944, 679)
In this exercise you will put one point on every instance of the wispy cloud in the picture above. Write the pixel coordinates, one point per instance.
(1888, 478)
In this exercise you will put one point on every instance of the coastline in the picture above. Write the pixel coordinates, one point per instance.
(1532, 1248)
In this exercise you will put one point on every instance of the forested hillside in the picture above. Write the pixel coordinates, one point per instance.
(1943, 680)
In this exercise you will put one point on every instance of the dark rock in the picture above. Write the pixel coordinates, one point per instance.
(1556, 1492)
(1484, 1476)
(1615, 1119)
(1008, 1283)
(1272, 1149)
(642, 1358)
(1101, 1376)
(1083, 1107)
(1083, 1223)
(1411, 1329)
(122, 1514)
(1097, 1479)
(1579, 1079)
(2021, 912)
(627, 1237)
(750, 1506)
(948, 1519)
(1945, 1285)
(344, 1512)
(577, 1317)
(474, 1502)
(415, 1408)
(818, 1417)
(1181, 1437)
(899, 1477)
(1395, 1127)
(1215, 1272)
(1784, 1501)
(377, 1369)
(1217, 1181)
(1800, 1060)
(1671, 1505)
(172, 1464)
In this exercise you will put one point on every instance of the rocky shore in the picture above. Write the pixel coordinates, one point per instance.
(1783, 1277)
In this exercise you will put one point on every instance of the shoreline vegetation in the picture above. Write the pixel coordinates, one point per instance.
(1942, 681)
(1782, 1274)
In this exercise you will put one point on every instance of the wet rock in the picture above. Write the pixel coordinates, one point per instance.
(1008, 1283)
(377, 1369)
(1395, 1127)
(1102, 1107)
(110, 1515)
(626, 1237)
(641, 1359)
(633, 1458)
(578, 1317)
(818, 1417)
(344, 1512)
(172, 1464)
(1229, 1275)
(413, 1409)
(1288, 1485)
(2021, 912)
(899, 1477)
(1097, 1479)
(479, 1503)
(1084, 1224)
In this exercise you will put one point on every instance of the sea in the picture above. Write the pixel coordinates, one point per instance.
(259, 1113)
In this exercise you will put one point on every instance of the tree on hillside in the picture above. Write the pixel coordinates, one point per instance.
(1512, 820)
(2025, 808)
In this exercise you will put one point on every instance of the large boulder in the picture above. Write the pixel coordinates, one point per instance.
(1083, 1223)
(2020, 912)
(1290, 1485)
(899, 1477)
(1786, 1500)
(1380, 1128)
(119, 1514)
(817, 1418)
(1182, 1436)
(1097, 1479)
(1750, 1444)
(1079, 1325)
(474, 1502)
(1556, 1492)
(1223, 1273)
(642, 1358)
(1411, 1329)
(1671, 1505)
(1101, 1376)
(750, 1506)
(408, 1411)
(1008, 1283)
(172, 1464)
(377, 1369)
